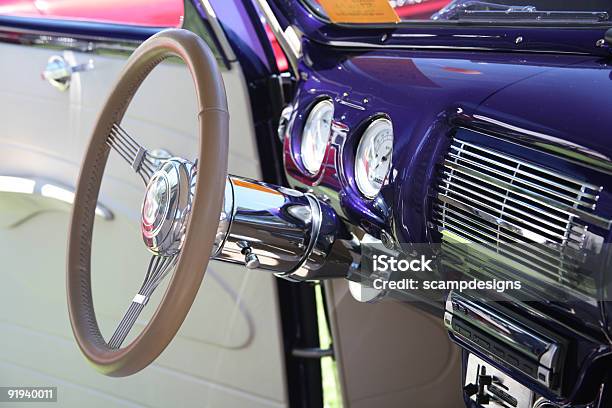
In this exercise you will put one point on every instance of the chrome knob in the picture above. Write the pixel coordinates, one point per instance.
(251, 261)
(58, 72)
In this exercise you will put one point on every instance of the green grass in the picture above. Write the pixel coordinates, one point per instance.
(329, 370)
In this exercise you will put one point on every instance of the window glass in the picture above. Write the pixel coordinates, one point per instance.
(151, 13)
(510, 11)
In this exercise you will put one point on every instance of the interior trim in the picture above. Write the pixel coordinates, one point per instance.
(286, 39)
(224, 43)
(44, 188)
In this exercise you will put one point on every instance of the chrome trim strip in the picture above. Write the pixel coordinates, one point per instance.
(562, 142)
(46, 39)
(504, 202)
(68, 35)
(587, 157)
(218, 30)
(583, 215)
(352, 44)
(578, 234)
(563, 265)
(458, 166)
(492, 234)
(537, 238)
(546, 278)
(484, 187)
(350, 104)
(527, 164)
(541, 349)
(522, 263)
(40, 187)
(288, 44)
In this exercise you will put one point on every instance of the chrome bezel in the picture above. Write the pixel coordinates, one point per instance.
(167, 236)
(365, 137)
(311, 168)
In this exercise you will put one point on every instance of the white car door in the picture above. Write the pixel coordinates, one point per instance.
(229, 351)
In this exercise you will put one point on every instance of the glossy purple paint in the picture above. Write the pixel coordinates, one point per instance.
(448, 34)
(239, 20)
(422, 92)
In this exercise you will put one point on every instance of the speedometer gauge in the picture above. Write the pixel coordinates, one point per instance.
(316, 135)
(373, 159)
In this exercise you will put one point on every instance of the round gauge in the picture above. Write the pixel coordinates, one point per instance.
(316, 135)
(373, 159)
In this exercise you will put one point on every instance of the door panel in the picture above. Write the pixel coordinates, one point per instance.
(391, 354)
(229, 350)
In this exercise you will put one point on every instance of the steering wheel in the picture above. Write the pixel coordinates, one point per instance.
(180, 212)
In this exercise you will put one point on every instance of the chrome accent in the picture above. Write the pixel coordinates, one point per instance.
(315, 135)
(166, 207)
(524, 396)
(63, 41)
(518, 209)
(49, 37)
(159, 268)
(350, 104)
(365, 45)
(586, 156)
(287, 39)
(315, 353)
(544, 403)
(218, 30)
(361, 287)
(540, 349)
(360, 153)
(251, 261)
(46, 189)
(286, 232)
(225, 218)
(158, 156)
(285, 122)
(276, 226)
(138, 298)
(141, 161)
(58, 72)
(339, 133)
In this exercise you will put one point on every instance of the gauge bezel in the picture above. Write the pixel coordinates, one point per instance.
(317, 104)
(376, 122)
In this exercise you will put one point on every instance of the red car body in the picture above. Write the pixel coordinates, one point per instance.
(152, 13)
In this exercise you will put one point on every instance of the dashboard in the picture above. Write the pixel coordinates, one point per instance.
(483, 149)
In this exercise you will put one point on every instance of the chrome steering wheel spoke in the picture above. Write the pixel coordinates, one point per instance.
(132, 152)
(159, 268)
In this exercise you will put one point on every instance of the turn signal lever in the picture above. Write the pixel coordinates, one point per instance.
(284, 231)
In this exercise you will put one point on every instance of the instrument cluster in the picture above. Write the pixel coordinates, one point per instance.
(318, 140)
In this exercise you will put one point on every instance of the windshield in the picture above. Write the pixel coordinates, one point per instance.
(508, 11)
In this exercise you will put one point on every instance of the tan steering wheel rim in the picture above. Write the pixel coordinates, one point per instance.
(207, 202)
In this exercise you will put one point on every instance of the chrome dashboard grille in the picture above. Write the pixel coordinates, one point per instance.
(521, 210)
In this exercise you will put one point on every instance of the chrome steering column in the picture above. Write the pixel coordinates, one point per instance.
(281, 230)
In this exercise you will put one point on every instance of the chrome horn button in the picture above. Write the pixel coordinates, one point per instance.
(156, 204)
(166, 207)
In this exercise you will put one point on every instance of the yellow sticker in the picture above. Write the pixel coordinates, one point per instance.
(359, 11)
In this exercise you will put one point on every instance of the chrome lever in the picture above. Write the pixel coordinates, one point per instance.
(58, 72)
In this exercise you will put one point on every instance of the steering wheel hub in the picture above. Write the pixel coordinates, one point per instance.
(166, 207)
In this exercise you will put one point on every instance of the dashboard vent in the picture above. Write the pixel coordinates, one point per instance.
(528, 213)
